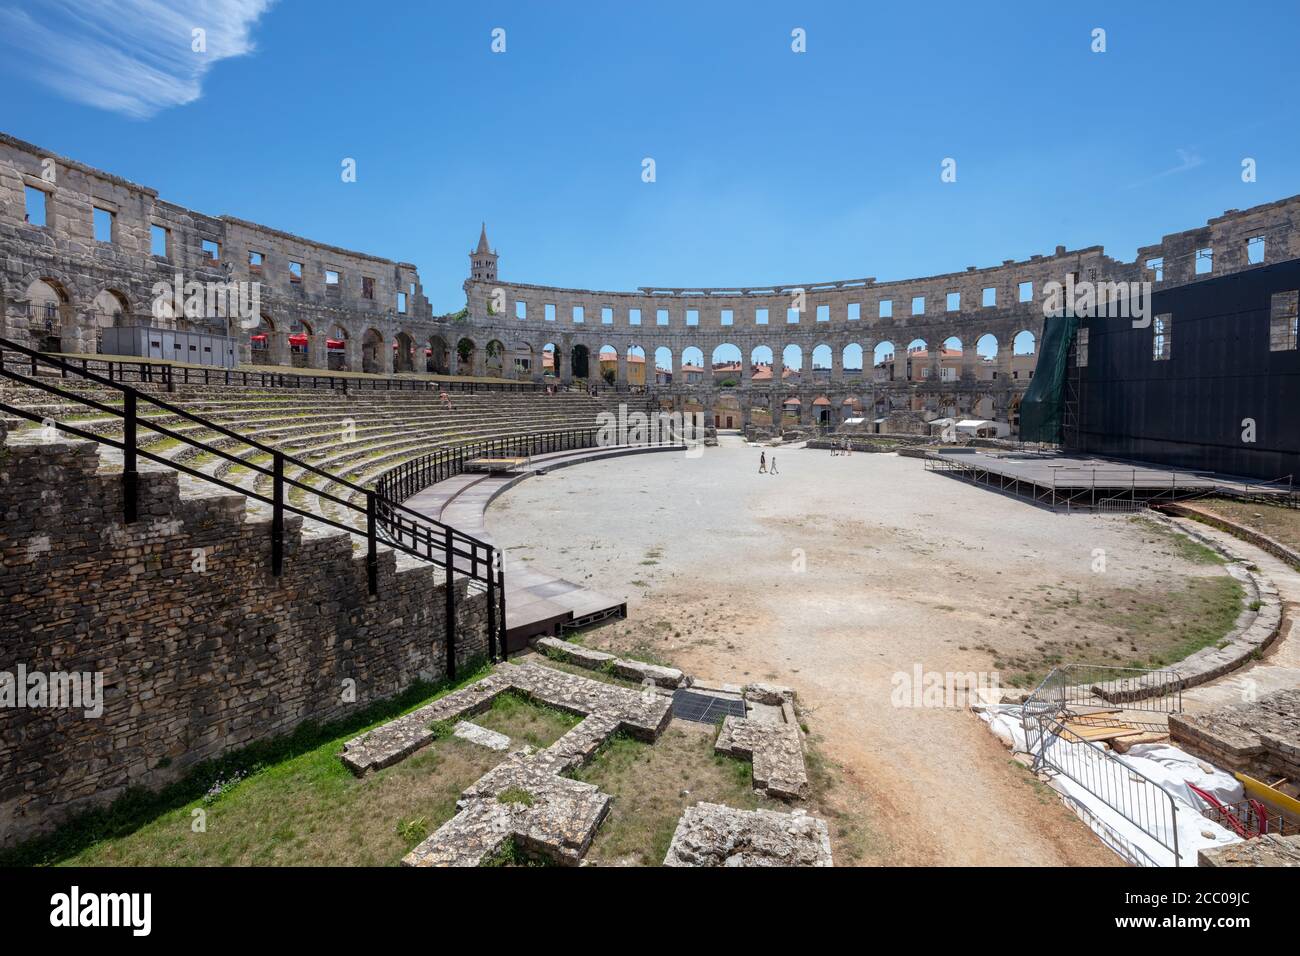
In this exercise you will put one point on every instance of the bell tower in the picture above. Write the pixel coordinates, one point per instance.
(483, 261)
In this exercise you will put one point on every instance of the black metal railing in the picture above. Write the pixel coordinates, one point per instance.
(126, 371)
(412, 533)
(401, 482)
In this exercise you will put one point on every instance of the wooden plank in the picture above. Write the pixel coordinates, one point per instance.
(1261, 790)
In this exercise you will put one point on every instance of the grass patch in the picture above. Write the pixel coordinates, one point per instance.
(288, 800)
(1127, 627)
(653, 784)
(516, 796)
(524, 721)
(1277, 522)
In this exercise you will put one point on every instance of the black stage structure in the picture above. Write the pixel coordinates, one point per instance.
(1221, 385)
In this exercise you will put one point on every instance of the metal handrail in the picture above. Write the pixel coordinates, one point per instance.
(170, 376)
(430, 540)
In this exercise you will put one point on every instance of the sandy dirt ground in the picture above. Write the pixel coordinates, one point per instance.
(834, 577)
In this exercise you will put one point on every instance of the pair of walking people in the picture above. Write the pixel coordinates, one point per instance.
(764, 468)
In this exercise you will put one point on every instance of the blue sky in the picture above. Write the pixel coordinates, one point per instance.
(771, 166)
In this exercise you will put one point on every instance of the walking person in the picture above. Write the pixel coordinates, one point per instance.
(772, 470)
(762, 463)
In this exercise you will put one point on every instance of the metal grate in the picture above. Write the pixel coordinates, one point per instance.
(705, 708)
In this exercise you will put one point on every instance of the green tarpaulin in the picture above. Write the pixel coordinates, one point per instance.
(1043, 405)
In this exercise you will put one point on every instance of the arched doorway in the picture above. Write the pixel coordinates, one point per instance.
(581, 356)
(435, 356)
(50, 314)
(336, 349)
(372, 349)
(466, 352)
(404, 353)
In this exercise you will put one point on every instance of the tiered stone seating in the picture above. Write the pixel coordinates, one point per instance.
(355, 436)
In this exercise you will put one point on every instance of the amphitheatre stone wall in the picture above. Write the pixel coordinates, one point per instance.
(195, 661)
(59, 285)
(927, 313)
(58, 281)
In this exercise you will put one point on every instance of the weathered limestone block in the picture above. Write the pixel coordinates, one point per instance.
(669, 677)
(481, 736)
(775, 749)
(710, 834)
(1261, 738)
(521, 799)
(644, 716)
(1267, 850)
(572, 653)
(768, 694)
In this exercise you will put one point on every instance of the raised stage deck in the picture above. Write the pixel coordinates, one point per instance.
(1072, 482)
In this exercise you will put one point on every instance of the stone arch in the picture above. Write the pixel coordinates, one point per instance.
(663, 359)
(636, 360)
(494, 358)
(50, 314)
(437, 355)
(760, 356)
(337, 340)
(261, 342)
(792, 361)
(822, 360)
(692, 370)
(883, 361)
(403, 352)
(523, 361)
(918, 358)
(727, 365)
(580, 360)
(302, 343)
(466, 355)
(550, 360)
(1024, 343)
(372, 352)
(851, 359)
(607, 364)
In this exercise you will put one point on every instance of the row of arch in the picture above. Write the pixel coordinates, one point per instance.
(335, 346)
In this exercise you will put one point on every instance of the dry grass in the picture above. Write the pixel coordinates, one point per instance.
(310, 811)
(1280, 524)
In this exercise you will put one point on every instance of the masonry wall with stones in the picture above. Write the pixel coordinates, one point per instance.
(194, 662)
(761, 322)
(60, 286)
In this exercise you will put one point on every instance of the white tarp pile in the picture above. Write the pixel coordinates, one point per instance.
(1157, 766)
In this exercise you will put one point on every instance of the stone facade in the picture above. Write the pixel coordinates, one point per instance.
(59, 274)
(525, 319)
(59, 285)
(196, 659)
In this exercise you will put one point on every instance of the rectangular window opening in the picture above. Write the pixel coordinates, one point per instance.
(1162, 330)
(37, 206)
(1283, 308)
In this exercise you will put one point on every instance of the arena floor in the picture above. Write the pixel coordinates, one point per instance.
(901, 568)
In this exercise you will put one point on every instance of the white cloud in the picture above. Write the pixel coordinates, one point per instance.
(1187, 159)
(133, 57)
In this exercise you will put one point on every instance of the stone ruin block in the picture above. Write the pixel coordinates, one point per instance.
(710, 834)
